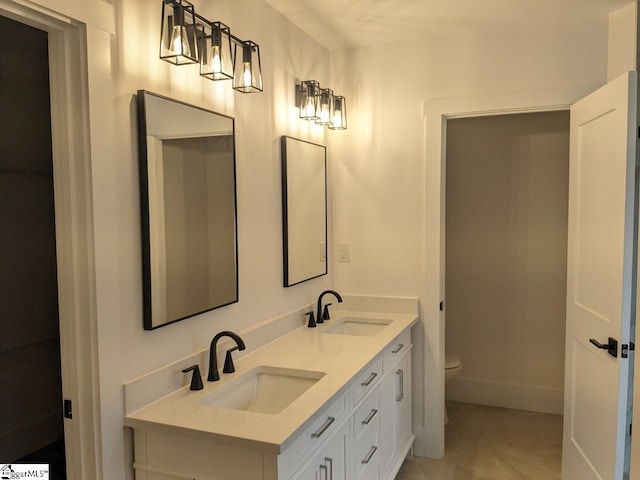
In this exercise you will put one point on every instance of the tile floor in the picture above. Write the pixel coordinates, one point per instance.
(490, 443)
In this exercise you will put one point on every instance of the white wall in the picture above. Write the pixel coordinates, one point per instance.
(379, 183)
(507, 180)
(260, 120)
(288, 56)
(124, 349)
(380, 186)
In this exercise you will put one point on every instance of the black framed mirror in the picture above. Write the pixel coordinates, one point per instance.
(188, 209)
(304, 210)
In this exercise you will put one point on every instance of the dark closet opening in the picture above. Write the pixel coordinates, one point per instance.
(31, 420)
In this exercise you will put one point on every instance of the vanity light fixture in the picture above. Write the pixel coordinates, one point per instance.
(179, 35)
(321, 105)
(187, 37)
(339, 113)
(309, 99)
(325, 116)
(216, 58)
(247, 76)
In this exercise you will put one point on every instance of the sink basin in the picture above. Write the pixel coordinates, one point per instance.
(264, 389)
(367, 327)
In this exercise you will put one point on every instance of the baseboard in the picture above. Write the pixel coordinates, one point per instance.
(507, 395)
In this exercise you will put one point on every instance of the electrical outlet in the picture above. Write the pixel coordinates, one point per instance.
(344, 252)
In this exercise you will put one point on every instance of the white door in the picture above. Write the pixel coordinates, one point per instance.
(600, 280)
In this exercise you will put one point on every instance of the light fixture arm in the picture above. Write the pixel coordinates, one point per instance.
(236, 40)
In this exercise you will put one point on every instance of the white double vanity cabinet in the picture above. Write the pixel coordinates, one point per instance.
(326, 403)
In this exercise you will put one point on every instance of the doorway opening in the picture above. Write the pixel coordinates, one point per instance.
(72, 41)
(30, 357)
(506, 221)
(603, 191)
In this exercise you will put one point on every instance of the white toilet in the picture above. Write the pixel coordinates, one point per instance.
(452, 367)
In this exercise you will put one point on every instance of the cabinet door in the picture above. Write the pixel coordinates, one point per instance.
(402, 401)
(310, 473)
(395, 401)
(387, 421)
(330, 463)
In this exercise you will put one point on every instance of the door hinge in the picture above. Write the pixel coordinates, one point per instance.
(67, 409)
(624, 350)
(630, 429)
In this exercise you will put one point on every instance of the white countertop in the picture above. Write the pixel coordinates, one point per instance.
(341, 357)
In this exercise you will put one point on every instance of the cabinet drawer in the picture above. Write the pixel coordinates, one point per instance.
(396, 349)
(367, 416)
(330, 462)
(366, 380)
(322, 427)
(367, 455)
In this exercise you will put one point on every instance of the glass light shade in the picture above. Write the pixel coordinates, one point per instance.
(339, 121)
(309, 99)
(179, 34)
(325, 115)
(216, 56)
(247, 75)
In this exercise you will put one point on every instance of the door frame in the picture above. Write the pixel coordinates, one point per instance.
(428, 411)
(79, 32)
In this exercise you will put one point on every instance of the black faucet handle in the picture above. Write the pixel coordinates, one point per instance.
(196, 378)
(312, 320)
(325, 312)
(228, 361)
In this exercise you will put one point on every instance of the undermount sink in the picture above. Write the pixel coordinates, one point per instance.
(264, 389)
(367, 327)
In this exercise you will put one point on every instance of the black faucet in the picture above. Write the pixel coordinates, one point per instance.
(319, 317)
(213, 360)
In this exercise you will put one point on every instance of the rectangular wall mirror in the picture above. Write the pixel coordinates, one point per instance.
(188, 209)
(304, 210)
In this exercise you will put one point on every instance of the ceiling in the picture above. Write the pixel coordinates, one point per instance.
(340, 24)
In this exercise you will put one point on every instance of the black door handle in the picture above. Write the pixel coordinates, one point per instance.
(611, 347)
